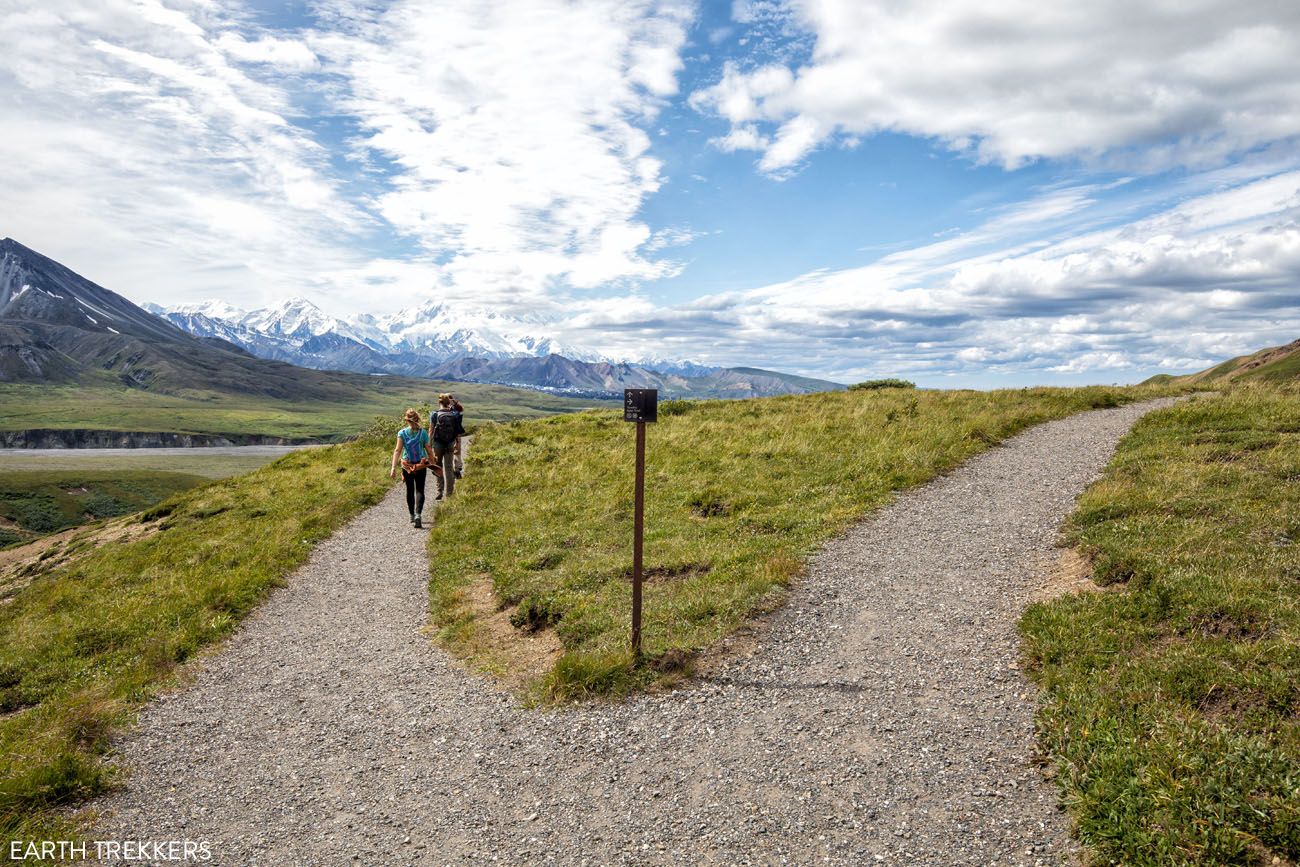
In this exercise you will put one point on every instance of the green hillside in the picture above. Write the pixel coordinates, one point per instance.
(1171, 706)
(738, 494)
(37, 503)
(1275, 365)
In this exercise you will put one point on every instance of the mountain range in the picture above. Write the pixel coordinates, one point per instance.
(468, 344)
(58, 327)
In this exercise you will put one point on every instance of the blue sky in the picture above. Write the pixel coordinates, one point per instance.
(963, 193)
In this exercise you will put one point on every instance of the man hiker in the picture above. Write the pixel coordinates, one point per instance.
(444, 428)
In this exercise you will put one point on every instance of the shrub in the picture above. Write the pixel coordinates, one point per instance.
(873, 384)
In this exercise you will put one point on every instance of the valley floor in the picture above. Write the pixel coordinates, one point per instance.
(879, 717)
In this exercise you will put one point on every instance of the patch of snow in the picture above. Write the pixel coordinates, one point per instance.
(112, 329)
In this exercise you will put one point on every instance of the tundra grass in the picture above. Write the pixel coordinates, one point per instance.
(114, 408)
(37, 503)
(1171, 707)
(738, 494)
(86, 643)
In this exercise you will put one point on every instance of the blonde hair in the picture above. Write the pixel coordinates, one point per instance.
(412, 416)
(444, 399)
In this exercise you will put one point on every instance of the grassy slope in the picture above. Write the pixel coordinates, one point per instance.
(45, 502)
(738, 495)
(24, 407)
(1172, 709)
(1282, 371)
(89, 641)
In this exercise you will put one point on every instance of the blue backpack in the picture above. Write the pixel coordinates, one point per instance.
(413, 444)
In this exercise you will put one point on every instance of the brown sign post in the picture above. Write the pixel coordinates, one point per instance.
(640, 405)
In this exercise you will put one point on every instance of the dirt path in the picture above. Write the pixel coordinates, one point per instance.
(879, 719)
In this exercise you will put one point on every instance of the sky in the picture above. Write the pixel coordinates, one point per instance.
(960, 192)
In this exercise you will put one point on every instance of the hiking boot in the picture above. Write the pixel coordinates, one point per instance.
(439, 496)
(412, 517)
(418, 525)
(459, 474)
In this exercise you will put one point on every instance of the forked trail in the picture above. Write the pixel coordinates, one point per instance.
(880, 717)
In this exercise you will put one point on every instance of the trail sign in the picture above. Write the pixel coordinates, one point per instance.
(640, 404)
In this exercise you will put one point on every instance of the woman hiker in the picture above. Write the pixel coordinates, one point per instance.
(444, 427)
(413, 452)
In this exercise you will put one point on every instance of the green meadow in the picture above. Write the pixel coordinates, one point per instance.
(738, 494)
(1171, 702)
(99, 622)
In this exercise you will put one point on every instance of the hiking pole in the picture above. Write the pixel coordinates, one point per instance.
(640, 405)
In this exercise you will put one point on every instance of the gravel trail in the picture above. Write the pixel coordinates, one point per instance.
(879, 717)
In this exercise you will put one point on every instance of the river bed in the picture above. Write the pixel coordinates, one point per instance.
(215, 461)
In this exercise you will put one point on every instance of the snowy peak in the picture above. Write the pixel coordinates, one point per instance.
(212, 308)
(412, 342)
(296, 318)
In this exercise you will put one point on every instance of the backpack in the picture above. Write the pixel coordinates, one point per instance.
(413, 444)
(446, 426)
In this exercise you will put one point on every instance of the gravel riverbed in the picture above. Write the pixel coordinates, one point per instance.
(878, 718)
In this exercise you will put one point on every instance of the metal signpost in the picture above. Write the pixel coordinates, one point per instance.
(640, 405)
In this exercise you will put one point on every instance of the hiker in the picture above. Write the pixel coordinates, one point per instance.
(413, 452)
(460, 461)
(444, 428)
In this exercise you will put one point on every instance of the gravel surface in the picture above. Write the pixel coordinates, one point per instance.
(878, 718)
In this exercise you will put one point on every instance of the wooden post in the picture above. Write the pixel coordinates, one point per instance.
(638, 531)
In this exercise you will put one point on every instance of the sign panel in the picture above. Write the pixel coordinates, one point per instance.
(640, 404)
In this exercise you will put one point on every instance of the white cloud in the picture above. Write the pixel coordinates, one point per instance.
(147, 160)
(515, 132)
(291, 54)
(1150, 85)
(1206, 278)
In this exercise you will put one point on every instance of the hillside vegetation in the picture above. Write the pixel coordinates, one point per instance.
(1172, 706)
(36, 503)
(105, 616)
(737, 496)
(1277, 365)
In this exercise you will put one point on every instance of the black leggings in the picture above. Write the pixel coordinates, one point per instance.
(414, 490)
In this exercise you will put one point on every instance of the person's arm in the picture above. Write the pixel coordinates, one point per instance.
(392, 471)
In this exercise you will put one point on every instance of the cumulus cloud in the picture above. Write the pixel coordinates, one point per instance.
(514, 130)
(1209, 277)
(1147, 85)
(145, 156)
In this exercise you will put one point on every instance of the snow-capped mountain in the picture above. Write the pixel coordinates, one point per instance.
(414, 340)
(444, 332)
(443, 341)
